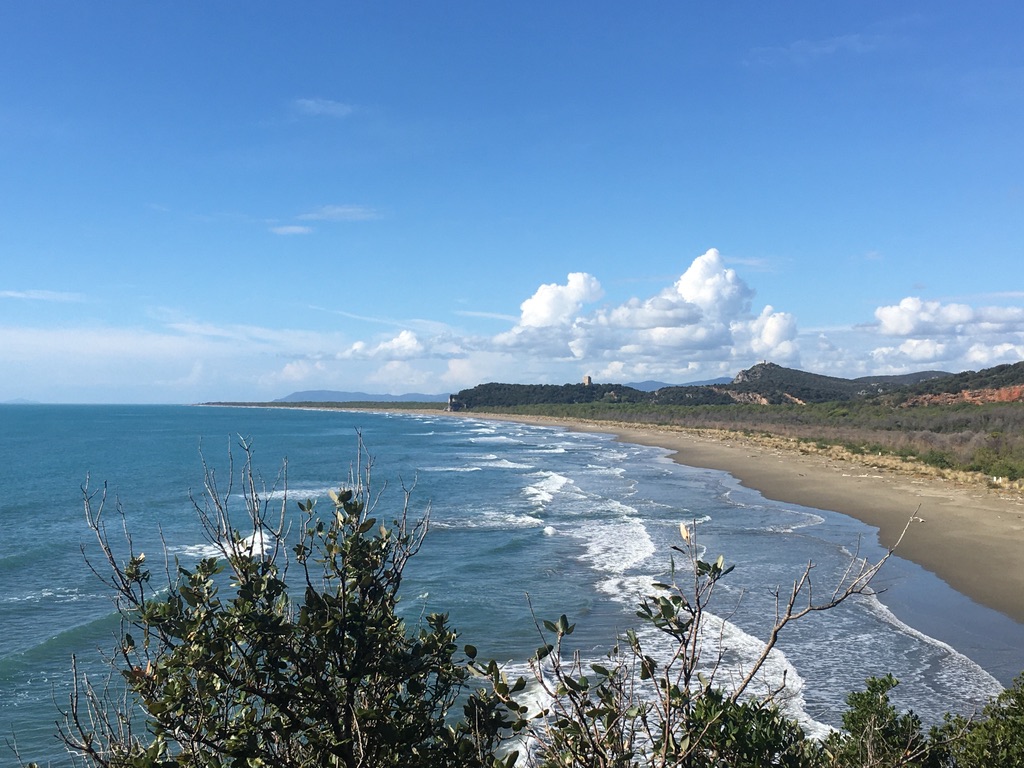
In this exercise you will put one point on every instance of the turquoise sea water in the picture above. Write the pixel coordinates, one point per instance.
(579, 522)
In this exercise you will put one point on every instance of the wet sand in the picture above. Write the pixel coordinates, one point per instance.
(968, 534)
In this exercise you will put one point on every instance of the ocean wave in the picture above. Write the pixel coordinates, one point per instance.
(727, 653)
(302, 493)
(614, 546)
(495, 439)
(54, 595)
(543, 491)
(805, 520)
(600, 469)
(507, 464)
(490, 521)
(966, 680)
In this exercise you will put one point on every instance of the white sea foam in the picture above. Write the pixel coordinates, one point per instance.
(543, 491)
(48, 595)
(728, 654)
(614, 546)
(506, 464)
(450, 469)
(491, 520)
(311, 492)
(600, 469)
(187, 552)
(966, 678)
(805, 520)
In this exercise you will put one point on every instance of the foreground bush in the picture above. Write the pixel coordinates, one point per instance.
(227, 664)
(298, 658)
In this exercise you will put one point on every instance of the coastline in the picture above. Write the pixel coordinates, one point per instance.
(970, 536)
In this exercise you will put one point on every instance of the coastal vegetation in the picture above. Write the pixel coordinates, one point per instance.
(968, 422)
(288, 649)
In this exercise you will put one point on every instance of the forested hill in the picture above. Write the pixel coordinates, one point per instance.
(764, 384)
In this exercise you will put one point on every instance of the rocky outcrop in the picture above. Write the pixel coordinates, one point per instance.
(1014, 394)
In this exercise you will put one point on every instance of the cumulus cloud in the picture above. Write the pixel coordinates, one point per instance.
(912, 315)
(407, 345)
(948, 335)
(773, 334)
(555, 304)
(713, 287)
(702, 319)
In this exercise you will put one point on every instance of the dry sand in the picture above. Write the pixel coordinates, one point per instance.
(970, 535)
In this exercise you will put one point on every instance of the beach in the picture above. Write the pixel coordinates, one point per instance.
(969, 535)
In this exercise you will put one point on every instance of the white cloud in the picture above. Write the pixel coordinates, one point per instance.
(950, 336)
(300, 370)
(773, 336)
(702, 319)
(340, 213)
(554, 304)
(912, 315)
(42, 295)
(988, 355)
(806, 51)
(322, 107)
(407, 345)
(717, 290)
(291, 229)
(398, 376)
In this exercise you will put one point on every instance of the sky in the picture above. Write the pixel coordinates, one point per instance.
(235, 201)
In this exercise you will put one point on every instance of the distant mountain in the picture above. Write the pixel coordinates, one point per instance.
(20, 401)
(709, 382)
(331, 396)
(650, 385)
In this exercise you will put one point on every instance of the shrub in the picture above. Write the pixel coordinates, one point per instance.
(226, 664)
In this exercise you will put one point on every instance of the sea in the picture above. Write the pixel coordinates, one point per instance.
(526, 523)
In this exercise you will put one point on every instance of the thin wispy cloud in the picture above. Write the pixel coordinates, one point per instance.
(487, 315)
(340, 213)
(322, 108)
(291, 229)
(805, 51)
(361, 318)
(53, 296)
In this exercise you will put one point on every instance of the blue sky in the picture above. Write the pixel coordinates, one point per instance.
(205, 201)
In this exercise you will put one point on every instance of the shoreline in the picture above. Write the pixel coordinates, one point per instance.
(970, 536)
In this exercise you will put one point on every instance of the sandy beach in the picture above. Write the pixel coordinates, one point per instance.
(968, 534)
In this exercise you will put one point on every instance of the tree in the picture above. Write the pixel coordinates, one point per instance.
(994, 740)
(876, 735)
(226, 664)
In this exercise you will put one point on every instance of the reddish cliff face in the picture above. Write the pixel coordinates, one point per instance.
(1014, 394)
